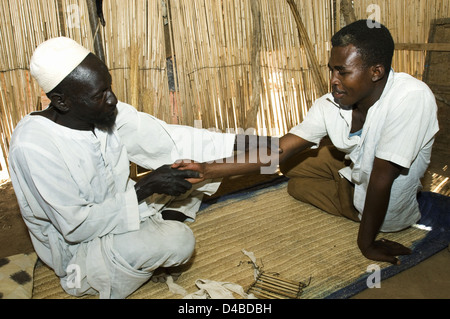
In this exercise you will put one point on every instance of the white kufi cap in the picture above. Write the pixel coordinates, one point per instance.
(55, 59)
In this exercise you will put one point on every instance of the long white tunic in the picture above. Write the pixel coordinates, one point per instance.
(400, 127)
(75, 194)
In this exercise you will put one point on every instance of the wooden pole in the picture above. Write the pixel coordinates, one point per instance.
(61, 18)
(321, 85)
(93, 20)
(251, 118)
(348, 11)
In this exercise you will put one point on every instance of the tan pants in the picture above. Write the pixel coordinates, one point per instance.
(314, 178)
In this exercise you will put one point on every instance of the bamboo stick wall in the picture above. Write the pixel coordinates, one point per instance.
(135, 53)
(213, 41)
(409, 22)
(24, 25)
(233, 57)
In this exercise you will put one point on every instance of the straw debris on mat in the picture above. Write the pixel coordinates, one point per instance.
(290, 238)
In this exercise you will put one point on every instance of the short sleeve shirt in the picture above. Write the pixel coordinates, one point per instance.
(400, 128)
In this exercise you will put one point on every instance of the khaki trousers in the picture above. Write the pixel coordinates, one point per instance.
(314, 178)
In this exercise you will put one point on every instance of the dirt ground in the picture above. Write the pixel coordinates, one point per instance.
(14, 237)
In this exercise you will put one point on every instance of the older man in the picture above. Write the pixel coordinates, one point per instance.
(382, 126)
(95, 227)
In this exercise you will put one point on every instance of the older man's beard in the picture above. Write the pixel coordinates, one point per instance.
(107, 123)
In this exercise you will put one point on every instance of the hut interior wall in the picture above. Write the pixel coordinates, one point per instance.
(238, 65)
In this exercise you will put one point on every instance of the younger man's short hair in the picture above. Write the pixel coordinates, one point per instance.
(372, 39)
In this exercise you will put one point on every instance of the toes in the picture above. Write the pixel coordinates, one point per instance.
(161, 274)
(175, 275)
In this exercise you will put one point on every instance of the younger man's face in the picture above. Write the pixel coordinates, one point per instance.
(351, 81)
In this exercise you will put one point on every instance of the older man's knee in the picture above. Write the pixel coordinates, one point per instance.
(164, 243)
(181, 242)
(178, 243)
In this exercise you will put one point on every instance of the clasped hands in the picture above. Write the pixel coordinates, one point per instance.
(173, 180)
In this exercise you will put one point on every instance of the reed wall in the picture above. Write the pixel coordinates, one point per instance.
(240, 64)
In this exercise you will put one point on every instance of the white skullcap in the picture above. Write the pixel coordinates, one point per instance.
(55, 59)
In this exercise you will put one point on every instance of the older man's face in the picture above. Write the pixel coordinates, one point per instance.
(92, 99)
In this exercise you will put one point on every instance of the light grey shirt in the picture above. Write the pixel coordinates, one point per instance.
(400, 128)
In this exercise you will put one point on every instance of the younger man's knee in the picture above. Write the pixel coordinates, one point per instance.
(297, 188)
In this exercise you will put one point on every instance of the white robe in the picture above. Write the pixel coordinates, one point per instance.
(77, 199)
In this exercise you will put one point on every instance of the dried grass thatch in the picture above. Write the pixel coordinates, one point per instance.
(239, 64)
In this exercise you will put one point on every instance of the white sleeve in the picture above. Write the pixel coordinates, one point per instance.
(152, 143)
(313, 128)
(409, 126)
(50, 193)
